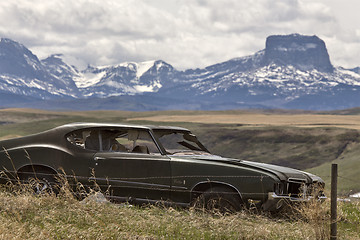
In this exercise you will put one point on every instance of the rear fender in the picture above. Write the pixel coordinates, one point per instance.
(34, 169)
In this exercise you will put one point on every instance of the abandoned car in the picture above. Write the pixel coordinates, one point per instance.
(148, 164)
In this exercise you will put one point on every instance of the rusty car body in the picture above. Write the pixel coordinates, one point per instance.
(148, 164)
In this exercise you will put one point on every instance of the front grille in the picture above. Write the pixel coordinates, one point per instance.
(298, 188)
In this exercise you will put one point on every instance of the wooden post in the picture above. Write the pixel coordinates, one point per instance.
(333, 224)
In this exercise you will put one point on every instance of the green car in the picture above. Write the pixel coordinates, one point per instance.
(148, 164)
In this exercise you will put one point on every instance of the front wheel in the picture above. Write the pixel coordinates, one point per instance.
(219, 199)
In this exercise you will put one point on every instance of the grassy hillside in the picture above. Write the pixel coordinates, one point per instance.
(348, 170)
(300, 148)
(306, 141)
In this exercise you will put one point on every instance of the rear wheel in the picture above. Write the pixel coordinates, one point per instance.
(219, 199)
(41, 183)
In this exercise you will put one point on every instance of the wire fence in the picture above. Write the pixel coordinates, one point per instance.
(259, 183)
(347, 193)
(177, 184)
(172, 184)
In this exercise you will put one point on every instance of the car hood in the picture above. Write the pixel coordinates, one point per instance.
(283, 173)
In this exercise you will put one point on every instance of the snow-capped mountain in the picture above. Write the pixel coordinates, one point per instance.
(22, 73)
(124, 79)
(293, 71)
(290, 71)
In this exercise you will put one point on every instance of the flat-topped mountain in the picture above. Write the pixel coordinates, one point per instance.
(303, 52)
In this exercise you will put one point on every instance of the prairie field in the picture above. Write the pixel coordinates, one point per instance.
(257, 119)
(303, 140)
(307, 141)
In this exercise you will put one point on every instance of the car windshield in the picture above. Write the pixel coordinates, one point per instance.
(180, 143)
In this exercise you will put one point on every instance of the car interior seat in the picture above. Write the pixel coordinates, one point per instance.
(140, 149)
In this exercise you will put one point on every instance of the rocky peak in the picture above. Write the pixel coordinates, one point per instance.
(61, 70)
(303, 52)
(54, 59)
(16, 59)
(357, 70)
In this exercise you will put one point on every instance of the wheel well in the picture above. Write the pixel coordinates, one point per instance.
(202, 187)
(30, 169)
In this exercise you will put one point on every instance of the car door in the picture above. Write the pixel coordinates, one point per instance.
(133, 176)
(134, 169)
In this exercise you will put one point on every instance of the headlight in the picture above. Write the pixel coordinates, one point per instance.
(279, 188)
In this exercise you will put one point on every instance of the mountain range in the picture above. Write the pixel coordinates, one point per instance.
(293, 72)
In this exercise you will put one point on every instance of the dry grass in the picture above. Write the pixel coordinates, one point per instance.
(251, 119)
(24, 215)
(29, 217)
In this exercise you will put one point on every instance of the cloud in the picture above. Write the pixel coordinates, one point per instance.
(187, 33)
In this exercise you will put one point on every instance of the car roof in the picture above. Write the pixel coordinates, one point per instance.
(83, 125)
(67, 128)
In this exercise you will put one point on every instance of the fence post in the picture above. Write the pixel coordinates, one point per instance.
(333, 223)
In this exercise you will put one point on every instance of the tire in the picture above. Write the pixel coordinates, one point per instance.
(42, 183)
(219, 199)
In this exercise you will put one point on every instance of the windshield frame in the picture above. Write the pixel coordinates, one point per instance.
(197, 143)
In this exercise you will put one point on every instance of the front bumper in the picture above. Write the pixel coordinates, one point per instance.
(275, 202)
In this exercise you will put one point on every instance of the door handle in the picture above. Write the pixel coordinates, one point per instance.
(97, 159)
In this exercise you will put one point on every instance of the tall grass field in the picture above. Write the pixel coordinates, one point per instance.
(309, 141)
(24, 215)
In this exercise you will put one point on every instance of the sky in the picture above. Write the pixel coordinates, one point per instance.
(183, 33)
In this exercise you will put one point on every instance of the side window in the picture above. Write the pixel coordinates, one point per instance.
(114, 140)
(138, 141)
(78, 138)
